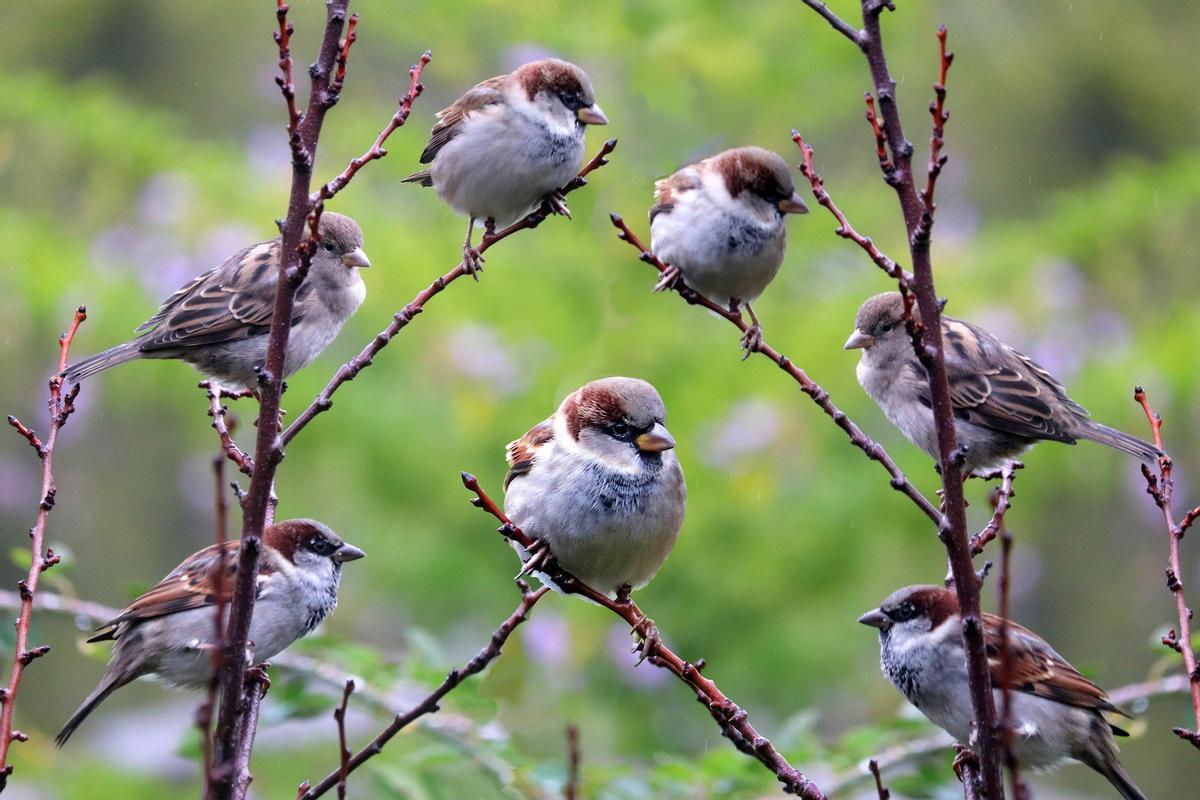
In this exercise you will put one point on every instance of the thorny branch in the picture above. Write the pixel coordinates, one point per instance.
(1001, 499)
(430, 704)
(339, 716)
(1161, 487)
(349, 370)
(917, 208)
(220, 423)
(818, 395)
(234, 733)
(733, 720)
(60, 407)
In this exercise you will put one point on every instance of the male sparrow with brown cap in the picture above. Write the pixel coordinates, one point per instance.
(219, 321)
(598, 483)
(720, 224)
(1003, 401)
(1057, 714)
(509, 143)
(168, 631)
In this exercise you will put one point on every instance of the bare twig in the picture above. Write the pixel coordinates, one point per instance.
(918, 221)
(733, 720)
(1001, 498)
(60, 407)
(1007, 665)
(571, 788)
(204, 713)
(937, 109)
(257, 684)
(296, 249)
(430, 704)
(349, 370)
(880, 790)
(1161, 487)
(818, 395)
(339, 715)
(836, 22)
(219, 413)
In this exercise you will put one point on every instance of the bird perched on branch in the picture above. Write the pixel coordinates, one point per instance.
(219, 321)
(169, 631)
(510, 143)
(1003, 401)
(599, 485)
(720, 224)
(1057, 714)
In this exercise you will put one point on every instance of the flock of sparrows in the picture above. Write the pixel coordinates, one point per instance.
(598, 483)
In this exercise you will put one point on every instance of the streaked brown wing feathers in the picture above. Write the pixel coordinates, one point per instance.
(521, 452)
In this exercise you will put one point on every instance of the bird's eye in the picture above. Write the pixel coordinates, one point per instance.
(904, 612)
(328, 247)
(321, 546)
(887, 327)
(619, 430)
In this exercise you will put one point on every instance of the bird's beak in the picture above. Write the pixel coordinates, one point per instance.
(876, 619)
(655, 440)
(592, 115)
(347, 552)
(859, 341)
(793, 205)
(356, 258)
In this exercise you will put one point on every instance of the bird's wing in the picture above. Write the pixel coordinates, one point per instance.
(450, 119)
(520, 453)
(1038, 670)
(996, 387)
(668, 189)
(231, 302)
(197, 582)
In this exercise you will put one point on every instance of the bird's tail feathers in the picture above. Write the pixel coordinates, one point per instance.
(1121, 782)
(74, 373)
(107, 686)
(1119, 440)
(424, 177)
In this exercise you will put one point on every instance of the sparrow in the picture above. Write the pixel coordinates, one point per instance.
(720, 224)
(218, 322)
(168, 632)
(1003, 401)
(510, 143)
(1057, 714)
(599, 484)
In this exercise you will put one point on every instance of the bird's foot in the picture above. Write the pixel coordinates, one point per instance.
(558, 204)
(257, 674)
(539, 558)
(668, 279)
(963, 758)
(472, 261)
(648, 639)
(752, 339)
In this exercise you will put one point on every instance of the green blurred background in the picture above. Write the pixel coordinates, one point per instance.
(142, 142)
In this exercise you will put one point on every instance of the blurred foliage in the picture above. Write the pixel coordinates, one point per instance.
(142, 142)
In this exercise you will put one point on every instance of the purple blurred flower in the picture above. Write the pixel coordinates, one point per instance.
(547, 639)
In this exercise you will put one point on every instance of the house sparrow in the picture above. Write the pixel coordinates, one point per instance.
(509, 143)
(1056, 712)
(598, 483)
(218, 322)
(720, 224)
(1003, 401)
(168, 631)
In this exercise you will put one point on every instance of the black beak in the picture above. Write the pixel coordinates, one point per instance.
(876, 619)
(347, 552)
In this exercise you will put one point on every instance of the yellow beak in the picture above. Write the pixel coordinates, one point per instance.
(793, 205)
(655, 440)
(592, 115)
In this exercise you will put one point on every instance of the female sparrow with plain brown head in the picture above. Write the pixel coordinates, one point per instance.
(1003, 401)
(720, 224)
(598, 483)
(218, 322)
(1057, 714)
(168, 631)
(509, 143)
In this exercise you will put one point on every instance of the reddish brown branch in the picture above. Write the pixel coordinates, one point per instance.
(880, 790)
(1007, 662)
(219, 413)
(401, 319)
(928, 346)
(1001, 498)
(257, 684)
(430, 704)
(818, 395)
(885, 163)
(571, 787)
(937, 109)
(339, 77)
(732, 719)
(60, 407)
(339, 715)
(836, 22)
(287, 86)
(1161, 487)
(377, 151)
